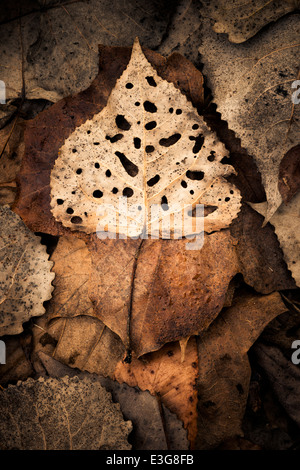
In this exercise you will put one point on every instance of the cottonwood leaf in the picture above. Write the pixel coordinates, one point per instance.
(164, 374)
(60, 414)
(43, 137)
(224, 369)
(253, 94)
(241, 20)
(154, 426)
(48, 46)
(25, 276)
(149, 146)
(82, 342)
(286, 222)
(72, 267)
(152, 292)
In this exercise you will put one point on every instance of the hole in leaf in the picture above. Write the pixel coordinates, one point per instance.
(171, 110)
(76, 220)
(149, 148)
(195, 175)
(164, 203)
(212, 156)
(150, 107)
(199, 140)
(178, 111)
(137, 142)
(70, 210)
(137, 103)
(153, 180)
(114, 190)
(129, 85)
(195, 127)
(115, 138)
(60, 201)
(79, 171)
(108, 173)
(97, 193)
(184, 184)
(128, 166)
(122, 123)
(170, 140)
(150, 125)
(74, 150)
(127, 192)
(97, 165)
(151, 81)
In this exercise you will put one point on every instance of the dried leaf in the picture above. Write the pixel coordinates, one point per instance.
(60, 414)
(11, 152)
(72, 266)
(259, 253)
(224, 369)
(286, 222)
(164, 375)
(154, 426)
(289, 174)
(283, 375)
(148, 145)
(49, 46)
(82, 342)
(43, 137)
(25, 276)
(158, 291)
(18, 366)
(254, 95)
(241, 20)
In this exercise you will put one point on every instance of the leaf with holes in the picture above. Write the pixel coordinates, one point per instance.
(25, 277)
(60, 414)
(254, 93)
(148, 149)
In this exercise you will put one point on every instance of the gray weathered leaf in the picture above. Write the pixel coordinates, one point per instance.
(241, 20)
(25, 277)
(60, 414)
(57, 45)
(251, 85)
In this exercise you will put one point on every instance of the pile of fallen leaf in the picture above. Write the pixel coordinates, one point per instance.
(137, 342)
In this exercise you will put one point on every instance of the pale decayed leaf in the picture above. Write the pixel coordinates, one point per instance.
(149, 145)
(241, 20)
(253, 93)
(286, 222)
(25, 277)
(60, 414)
(154, 426)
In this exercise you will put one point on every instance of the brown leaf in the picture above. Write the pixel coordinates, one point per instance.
(224, 369)
(173, 381)
(289, 174)
(47, 132)
(260, 257)
(156, 291)
(18, 366)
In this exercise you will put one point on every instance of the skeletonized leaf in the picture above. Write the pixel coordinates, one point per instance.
(154, 426)
(60, 414)
(254, 91)
(149, 146)
(25, 277)
(241, 20)
(286, 222)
